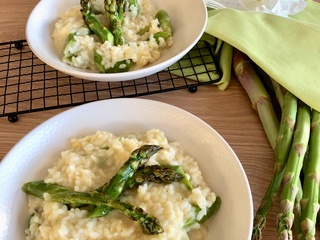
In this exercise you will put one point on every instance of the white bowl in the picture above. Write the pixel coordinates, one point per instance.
(35, 153)
(189, 18)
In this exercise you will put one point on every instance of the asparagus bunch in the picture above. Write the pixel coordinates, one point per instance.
(296, 154)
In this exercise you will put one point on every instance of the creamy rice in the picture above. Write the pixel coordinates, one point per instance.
(90, 162)
(137, 48)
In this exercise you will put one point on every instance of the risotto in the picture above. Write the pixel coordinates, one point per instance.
(93, 160)
(140, 47)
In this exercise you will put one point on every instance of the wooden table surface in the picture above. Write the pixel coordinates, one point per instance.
(229, 112)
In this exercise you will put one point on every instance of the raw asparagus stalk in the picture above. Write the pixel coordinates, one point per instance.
(297, 209)
(309, 201)
(278, 91)
(283, 144)
(291, 175)
(116, 184)
(258, 95)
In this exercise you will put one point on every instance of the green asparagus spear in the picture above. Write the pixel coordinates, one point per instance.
(115, 11)
(291, 175)
(65, 195)
(93, 24)
(148, 224)
(116, 184)
(180, 170)
(283, 144)
(164, 21)
(38, 188)
(155, 174)
(309, 201)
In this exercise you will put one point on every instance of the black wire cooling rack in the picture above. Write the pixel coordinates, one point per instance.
(29, 85)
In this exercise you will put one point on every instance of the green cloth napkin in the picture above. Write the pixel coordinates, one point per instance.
(287, 49)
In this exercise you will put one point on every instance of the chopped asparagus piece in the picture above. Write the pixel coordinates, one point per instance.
(122, 66)
(210, 212)
(164, 35)
(164, 21)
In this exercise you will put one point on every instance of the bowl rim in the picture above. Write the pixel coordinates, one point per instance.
(125, 76)
(64, 122)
